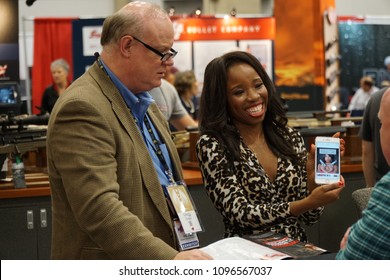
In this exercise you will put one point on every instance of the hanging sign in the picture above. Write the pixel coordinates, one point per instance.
(230, 28)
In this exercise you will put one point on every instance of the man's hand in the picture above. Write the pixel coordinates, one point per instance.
(344, 241)
(194, 254)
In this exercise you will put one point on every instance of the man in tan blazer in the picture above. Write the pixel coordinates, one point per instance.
(107, 198)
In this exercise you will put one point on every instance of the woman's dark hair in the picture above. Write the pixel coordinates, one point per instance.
(184, 81)
(214, 113)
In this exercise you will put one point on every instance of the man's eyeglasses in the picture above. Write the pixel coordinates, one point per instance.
(163, 56)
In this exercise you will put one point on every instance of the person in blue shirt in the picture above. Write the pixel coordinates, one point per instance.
(110, 151)
(369, 237)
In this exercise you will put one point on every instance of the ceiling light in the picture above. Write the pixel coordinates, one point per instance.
(198, 12)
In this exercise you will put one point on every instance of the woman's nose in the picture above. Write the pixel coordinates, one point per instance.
(253, 94)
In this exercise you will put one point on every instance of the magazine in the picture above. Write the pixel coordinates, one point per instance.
(264, 246)
(282, 243)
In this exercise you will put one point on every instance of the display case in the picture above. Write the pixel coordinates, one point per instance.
(25, 219)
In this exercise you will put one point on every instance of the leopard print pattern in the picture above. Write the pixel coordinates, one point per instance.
(247, 199)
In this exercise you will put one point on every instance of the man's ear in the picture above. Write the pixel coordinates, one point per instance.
(125, 45)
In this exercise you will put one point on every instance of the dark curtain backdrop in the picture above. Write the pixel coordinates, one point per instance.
(52, 40)
(362, 46)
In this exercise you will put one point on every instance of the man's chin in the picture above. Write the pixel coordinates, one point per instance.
(158, 82)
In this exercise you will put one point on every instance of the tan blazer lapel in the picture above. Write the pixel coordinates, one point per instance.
(147, 169)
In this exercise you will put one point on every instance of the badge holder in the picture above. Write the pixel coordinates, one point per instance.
(188, 222)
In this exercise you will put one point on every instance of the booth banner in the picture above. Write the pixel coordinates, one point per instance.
(91, 39)
(196, 29)
(87, 32)
(86, 41)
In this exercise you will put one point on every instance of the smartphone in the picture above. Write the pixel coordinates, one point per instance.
(327, 160)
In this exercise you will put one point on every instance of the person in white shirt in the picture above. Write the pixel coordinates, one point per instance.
(362, 95)
(384, 74)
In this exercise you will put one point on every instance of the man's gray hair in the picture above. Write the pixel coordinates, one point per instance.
(130, 20)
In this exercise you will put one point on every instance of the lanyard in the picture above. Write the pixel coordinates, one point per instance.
(99, 62)
(158, 150)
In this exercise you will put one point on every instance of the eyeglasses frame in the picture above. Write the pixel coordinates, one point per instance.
(163, 56)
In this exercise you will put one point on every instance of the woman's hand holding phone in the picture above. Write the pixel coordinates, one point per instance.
(325, 194)
(342, 143)
(320, 196)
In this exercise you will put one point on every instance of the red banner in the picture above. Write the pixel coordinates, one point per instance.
(351, 18)
(196, 29)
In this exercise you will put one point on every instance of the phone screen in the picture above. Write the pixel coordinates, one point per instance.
(327, 160)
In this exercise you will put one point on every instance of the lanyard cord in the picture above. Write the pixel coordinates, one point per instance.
(156, 143)
(158, 151)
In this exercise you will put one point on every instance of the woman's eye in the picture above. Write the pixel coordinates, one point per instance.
(259, 85)
(238, 92)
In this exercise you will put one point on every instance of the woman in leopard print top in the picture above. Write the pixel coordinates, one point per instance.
(255, 168)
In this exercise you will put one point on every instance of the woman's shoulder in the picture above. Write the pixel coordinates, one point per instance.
(207, 138)
(295, 138)
(209, 141)
(49, 88)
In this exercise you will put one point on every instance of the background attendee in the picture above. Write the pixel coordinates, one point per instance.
(170, 74)
(362, 95)
(255, 168)
(168, 101)
(59, 70)
(107, 179)
(369, 237)
(373, 161)
(187, 87)
(384, 74)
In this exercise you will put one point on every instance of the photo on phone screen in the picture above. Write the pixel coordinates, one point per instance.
(327, 160)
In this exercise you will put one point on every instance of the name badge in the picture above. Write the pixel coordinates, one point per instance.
(184, 207)
(186, 241)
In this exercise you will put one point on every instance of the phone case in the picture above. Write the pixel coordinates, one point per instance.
(327, 160)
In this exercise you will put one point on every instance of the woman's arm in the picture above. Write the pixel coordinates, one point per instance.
(320, 196)
(229, 197)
